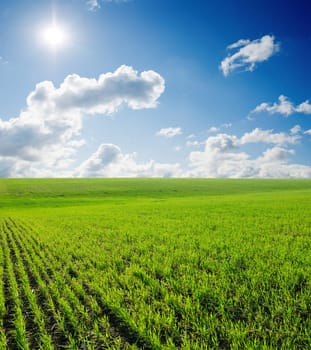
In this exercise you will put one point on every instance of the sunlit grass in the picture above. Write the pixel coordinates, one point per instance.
(157, 264)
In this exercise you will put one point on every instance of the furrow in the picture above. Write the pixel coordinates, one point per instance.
(128, 332)
(24, 306)
(35, 322)
(96, 331)
(68, 312)
(2, 300)
(16, 337)
(55, 326)
(119, 327)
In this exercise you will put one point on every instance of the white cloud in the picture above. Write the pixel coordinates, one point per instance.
(218, 159)
(46, 134)
(267, 136)
(213, 129)
(100, 96)
(308, 132)
(249, 54)
(222, 157)
(38, 137)
(304, 107)
(295, 129)
(93, 4)
(194, 143)
(294, 171)
(284, 107)
(169, 132)
(239, 43)
(109, 161)
(222, 142)
(275, 154)
(117, 1)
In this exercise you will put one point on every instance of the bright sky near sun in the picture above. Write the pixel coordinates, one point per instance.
(157, 88)
(54, 36)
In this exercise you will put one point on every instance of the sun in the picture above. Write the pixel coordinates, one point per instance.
(54, 36)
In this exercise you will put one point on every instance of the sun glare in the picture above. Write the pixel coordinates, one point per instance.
(54, 36)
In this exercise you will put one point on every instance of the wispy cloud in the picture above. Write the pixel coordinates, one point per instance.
(214, 129)
(194, 143)
(283, 107)
(169, 132)
(117, 1)
(249, 54)
(93, 4)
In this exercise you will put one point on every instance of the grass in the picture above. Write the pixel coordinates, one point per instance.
(155, 264)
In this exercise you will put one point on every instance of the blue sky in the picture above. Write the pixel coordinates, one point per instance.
(155, 88)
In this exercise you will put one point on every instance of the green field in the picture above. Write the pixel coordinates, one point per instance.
(155, 264)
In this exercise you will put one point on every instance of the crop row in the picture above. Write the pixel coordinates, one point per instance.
(110, 284)
(44, 308)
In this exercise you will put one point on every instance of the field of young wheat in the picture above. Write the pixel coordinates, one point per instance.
(155, 264)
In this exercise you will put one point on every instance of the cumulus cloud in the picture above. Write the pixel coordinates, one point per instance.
(275, 154)
(47, 132)
(222, 142)
(169, 132)
(100, 96)
(308, 132)
(109, 161)
(249, 54)
(268, 136)
(304, 107)
(223, 157)
(284, 107)
(218, 159)
(38, 137)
